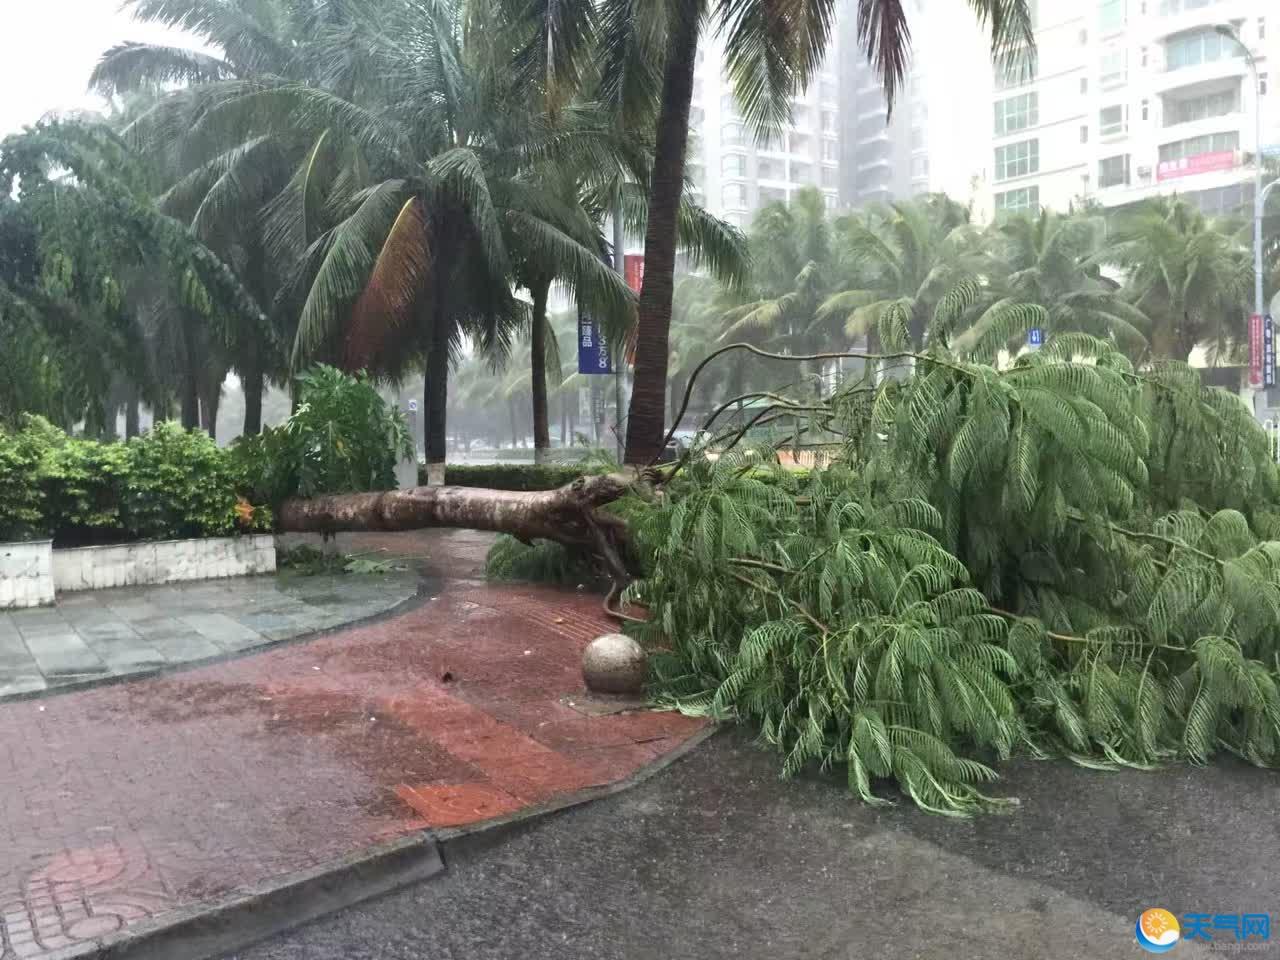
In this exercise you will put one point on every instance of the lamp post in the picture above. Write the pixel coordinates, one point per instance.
(1259, 194)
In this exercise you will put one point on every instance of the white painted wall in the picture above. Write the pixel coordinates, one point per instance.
(26, 574)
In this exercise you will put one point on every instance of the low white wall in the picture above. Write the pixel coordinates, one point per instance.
(165, 561)
(26, 574)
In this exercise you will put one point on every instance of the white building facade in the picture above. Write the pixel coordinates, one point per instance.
(1126, 99)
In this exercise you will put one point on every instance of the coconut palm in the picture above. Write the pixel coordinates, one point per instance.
(1190, 277)
(772, 49)
(1048, 259)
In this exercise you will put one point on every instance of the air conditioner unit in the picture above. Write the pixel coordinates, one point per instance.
(1144, 172)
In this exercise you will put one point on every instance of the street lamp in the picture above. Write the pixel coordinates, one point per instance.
(1259, 193)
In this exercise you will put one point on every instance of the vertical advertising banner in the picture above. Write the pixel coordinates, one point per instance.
(1255, 350)
(593, 351)
(633, 270)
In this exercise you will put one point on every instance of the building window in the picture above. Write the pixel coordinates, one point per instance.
(1262, 84)
(1017, 159)
(733, 165)
(800, 115)
(830, 151)
(1084, 133)
(772, 195)
(1113, 70)
(1112, 121)
(800, 143)
(827, 91)
(1084, 84)
(801, 172)
(1114, 171)
(1013, 201)
(1017, 113)
(1111, 15)
(917, 138)
(734, 196)
(1262, 28)
(1193, 49)
(920, 167)
(830, 201)
(1019, 69)
(828, 121)
(731, 135)
(769, 169)
(1146, 109)
(1171, 7)
(1195, 146)
(1200, 108)
(1144, 56)
(1084, 37)
(830, 176)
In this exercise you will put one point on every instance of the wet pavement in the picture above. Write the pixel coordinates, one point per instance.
(147, 798)
(103, 634)
(717, 859)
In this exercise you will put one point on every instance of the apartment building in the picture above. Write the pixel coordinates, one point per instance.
(1130, 98)
(735, 173)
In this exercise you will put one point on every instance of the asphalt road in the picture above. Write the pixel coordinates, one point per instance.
(716, 858)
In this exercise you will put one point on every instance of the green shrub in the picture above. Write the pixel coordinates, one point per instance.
(22, 508)
(342, 438)
(543, 562)
(178, 484)
(82, 480)
(514, 476)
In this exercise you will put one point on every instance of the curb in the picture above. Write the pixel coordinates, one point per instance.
(406, 605)
(211, 930)
(214, 930)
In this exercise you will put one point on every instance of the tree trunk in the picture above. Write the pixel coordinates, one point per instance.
(1164, 341)
(190, 403)
(538, 369)
(564, 515)
(511, 415)
(645, 420)
(132, 415)
(251, 384)
(436, 393)
(211, 397)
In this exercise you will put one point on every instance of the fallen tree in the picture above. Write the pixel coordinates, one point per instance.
(568, 515)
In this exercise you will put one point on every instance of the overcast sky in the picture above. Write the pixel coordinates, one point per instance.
(48, 49)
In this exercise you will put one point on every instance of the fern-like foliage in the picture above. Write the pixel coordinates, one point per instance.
(1067, 554)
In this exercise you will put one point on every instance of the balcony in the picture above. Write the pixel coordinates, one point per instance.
(1207, 75)
(1183, 18)
(874, 167)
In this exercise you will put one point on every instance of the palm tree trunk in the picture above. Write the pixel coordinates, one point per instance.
(1164, 341)
(511, 415)
(211, 397)
(190, 402)
(132, 415)
(538, 370)
(251, 385)
(645, 420)
(435, 399)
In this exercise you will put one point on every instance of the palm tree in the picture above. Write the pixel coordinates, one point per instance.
(411, 205)
(772, 49)
(1193, 280)
(1048, 259)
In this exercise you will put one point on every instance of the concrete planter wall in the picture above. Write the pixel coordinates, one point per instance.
(31, 572)
(26, 574)
(164, 561)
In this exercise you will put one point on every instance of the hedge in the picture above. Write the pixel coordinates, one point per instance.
(167, 484)
(514, 476)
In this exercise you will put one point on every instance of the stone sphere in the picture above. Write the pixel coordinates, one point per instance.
(614, 663)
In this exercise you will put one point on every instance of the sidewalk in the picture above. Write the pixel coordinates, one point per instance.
(141, 800)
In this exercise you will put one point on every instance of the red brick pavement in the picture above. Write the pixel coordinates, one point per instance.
(128, 802)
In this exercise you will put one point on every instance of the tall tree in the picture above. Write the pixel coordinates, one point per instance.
(1192, 280)
(772, 49)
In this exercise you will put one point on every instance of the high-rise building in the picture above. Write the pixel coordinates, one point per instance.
(1129, 98)
(737, 174)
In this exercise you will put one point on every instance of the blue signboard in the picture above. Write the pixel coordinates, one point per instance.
(593, 349)
(1035, 337)
(1268, 352)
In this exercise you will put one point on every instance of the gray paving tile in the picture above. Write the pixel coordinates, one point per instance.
(64, 654)
(136, 610)
(222, 630)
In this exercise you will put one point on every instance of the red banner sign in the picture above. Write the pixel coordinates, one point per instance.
(1255, 350)
(1200, 163)
(633, 265)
